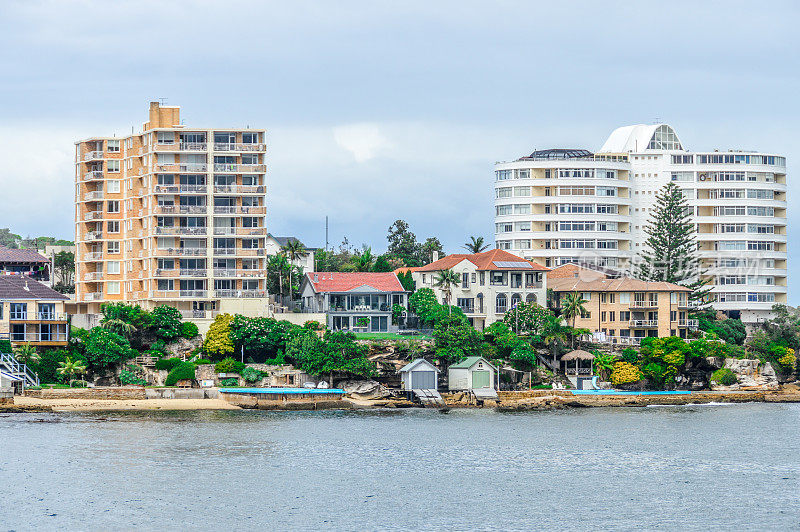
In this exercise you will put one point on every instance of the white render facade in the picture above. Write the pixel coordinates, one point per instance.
(737, 200)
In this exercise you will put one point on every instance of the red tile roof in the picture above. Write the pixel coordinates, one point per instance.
(350, 281)
(405, 269)
(21, 255)
(487, 260)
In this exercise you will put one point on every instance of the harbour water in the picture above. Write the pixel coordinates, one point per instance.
(726, 467)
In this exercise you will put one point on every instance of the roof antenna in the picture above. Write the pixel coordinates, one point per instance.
(163, 101)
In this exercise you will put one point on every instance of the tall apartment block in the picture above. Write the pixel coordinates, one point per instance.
(171, 215)
(574, 206)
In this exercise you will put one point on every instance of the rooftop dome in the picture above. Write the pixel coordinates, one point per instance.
(642, 137)
(558, 153)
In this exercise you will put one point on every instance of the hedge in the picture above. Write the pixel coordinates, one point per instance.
(184, 370)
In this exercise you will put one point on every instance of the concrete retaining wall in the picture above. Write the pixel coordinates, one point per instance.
(100, 392)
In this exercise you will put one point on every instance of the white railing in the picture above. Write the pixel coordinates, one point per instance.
(221, 209)
(644, 304)
(692, 324)
(224, 230)
(224, 272)
(179, 189)
(251, 231)
(252, 252)
(239, 168)
(193, 272)
(180, 230)
(93, 215)
(94, 255)
(93, 276)
(182, 167)
(238, 146)
(94, 235)
(181, 251)
(51, 316)
(244, 294)
(93, 174)
(194, 146)
(93, 196)
(643, 323)
(193, 293)
(93, 296)
(181, 209)
(17, 369)
(240, 189)
(92, 155)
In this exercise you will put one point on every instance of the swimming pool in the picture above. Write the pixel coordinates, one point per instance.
(623, 392)
(285, 391)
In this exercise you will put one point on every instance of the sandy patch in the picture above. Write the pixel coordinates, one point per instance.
(88, 405)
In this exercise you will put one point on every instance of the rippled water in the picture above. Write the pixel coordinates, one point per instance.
(694, 468)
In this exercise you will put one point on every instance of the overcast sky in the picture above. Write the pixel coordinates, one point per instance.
(383, 110)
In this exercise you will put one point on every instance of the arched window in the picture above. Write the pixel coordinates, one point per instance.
(502, 303)
(515, 299)
(480, 302)
(530, 298)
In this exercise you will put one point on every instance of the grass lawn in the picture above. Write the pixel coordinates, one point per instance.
(390, 336)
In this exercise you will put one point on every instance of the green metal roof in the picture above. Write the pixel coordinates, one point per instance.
(467, 362)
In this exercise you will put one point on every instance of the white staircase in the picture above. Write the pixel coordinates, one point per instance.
(10, 365)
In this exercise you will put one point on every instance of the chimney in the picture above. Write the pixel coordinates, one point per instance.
(316, 278)
(434, 256)
(26, 286)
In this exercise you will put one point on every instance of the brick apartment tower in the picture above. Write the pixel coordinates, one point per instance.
(172, 215)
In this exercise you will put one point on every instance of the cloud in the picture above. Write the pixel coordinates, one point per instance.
(364, 141)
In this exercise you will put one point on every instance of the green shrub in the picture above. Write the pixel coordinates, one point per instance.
(251, 375)
(184, 370)
(630, 355)
(78, 383)
(167, 363)
(229, 365)
(189, 330)
(229, 383)
(5, 346)
(201, 361)
(312, 325)
(132, 375)
(724, 376)
(279, 360)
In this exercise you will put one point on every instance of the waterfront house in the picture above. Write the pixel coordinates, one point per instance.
(419, 374)
(492, 283)
(356, 301)
(578, 367)
(31, 312)
(624, 310)
(472, 373)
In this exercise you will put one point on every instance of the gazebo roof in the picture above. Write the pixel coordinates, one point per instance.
(578, 354)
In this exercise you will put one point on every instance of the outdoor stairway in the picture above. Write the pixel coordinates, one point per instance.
(429, 398)
(10, 365)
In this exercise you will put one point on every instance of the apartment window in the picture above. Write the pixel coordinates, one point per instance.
(522, 244)
(249, 138)
(522, 209)
(113, 246)
(625, 298)
(603, 316)
(112, 226)
(112, 206)
(112, 186)
(112, 287)
(624, 315)
(503, 192)
(523, 174)
(464, 280)
(112, 165)
(611, 297)
(112, 267)
(18, 311)
(482, 277)
(250, 159)
(112, 146)
(522, 191)
(682, 159)
(166, 137)
(166, 285)
(504, 209)
(611, 315)
(502, 175)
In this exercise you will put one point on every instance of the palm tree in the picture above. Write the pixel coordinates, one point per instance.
(446, 280)
(553, 334)
(293, 250)
(476, 245)
(26, 353)
(363, 261)
(572, 306)
(119, 326)
(70, 368)
(280, 265)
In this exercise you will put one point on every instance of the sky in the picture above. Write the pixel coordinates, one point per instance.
(377, 111)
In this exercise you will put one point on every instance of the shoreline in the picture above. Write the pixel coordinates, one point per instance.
(508, 402)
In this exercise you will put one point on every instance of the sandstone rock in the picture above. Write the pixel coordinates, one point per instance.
(751, 374)
(715, 362)
(367, 389)
(183, 347)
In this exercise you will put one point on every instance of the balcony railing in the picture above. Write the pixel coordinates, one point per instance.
(180, 189)
(643, 323)
(239, 168)
(92, 215)
(193, 293)
(199, 314)
(251, 231)
(193, 272)
(36, 337)
(239, 251)
(93, 174)
(180, 230)
(93, 296)
(181, 209)
(644, 304)
(692, 324)
(92, 155)
(218, 209)
(50, 316)
(238, 146)
(94, 255)
(193, 146)
(182, 167)
(224, 272)
(174, 252)
(224, 230)
(240, 189)
(245, 294)
(467, 309)
(93, 276)
(93, 196)
(94, 235)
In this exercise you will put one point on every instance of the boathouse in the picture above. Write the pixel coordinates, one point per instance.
(419, 374)
(472, 373)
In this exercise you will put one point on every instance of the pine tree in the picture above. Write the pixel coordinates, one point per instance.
(670, 251)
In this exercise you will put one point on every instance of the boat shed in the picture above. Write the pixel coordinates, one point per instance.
(472, 373)
(419, 374)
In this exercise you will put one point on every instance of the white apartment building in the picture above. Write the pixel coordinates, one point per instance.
(563, 206)
(172, 215)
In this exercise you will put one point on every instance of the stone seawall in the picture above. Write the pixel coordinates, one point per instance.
(104, 392)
